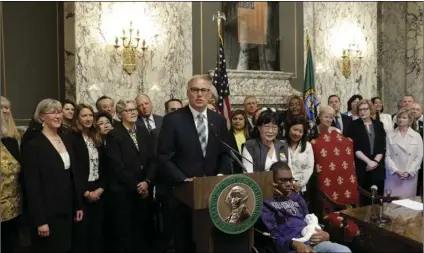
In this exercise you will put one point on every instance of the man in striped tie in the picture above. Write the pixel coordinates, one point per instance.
(189, 147)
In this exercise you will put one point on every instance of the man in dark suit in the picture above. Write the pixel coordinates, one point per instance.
(340, 121)
(145, 117)
(418, 113)
(188, 147)
(173, 104)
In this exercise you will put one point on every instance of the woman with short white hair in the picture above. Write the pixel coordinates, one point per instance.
(49, 176)
(326, 118)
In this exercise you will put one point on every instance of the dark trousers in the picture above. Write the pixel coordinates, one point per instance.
(88, 233)
(10, 235)
(59, 240)
(420, 182)
(169, 215)
(130, 222)
(183, 228)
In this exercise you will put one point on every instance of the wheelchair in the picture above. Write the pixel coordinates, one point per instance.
(263, 241)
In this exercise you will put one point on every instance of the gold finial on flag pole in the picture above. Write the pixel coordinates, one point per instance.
(219, 16)
(308, 41)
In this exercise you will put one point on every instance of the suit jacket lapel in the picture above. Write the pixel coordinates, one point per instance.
(126, 135)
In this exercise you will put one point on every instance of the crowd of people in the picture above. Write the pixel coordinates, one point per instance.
(86, 180)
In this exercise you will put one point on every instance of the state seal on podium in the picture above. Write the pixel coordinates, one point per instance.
(235, 204)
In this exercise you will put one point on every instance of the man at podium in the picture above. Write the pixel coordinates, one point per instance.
(189, 146)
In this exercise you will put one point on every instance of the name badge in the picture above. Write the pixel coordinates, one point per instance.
(283, 157)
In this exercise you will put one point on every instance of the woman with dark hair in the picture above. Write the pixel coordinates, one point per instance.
(103, 123)
(264, 149)
(297, 110)
(351, 105)
(239, 127)
(68, 113)
(301, 155)
(385, 118)
(86, 142)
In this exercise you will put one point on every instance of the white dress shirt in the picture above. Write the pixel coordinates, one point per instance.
(205, 119)
(151, 120)
(302, 164)
(404, 154)
(248, 157)
(386, 119)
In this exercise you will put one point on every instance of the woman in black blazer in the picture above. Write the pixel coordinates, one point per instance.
(87, 145)
(129, 152)
(369, 141)
(49, 176)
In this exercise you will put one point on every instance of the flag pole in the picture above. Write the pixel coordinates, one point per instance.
(219, 16)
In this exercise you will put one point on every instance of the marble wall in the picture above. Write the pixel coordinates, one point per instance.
(162, 73)
(400, 51)
(69, 45)
(331, 27)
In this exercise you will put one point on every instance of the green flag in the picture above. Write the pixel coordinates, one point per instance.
(309, 95)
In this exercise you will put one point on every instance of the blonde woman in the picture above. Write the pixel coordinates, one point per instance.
(10, 185)
(326, 119)
(49, 176)
(404, 154)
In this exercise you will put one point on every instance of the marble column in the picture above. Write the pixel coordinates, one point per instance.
(69, 44)
(400, 51)
(162, 73)
(331, 27)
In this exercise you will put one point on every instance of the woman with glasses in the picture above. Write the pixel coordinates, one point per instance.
(86, 142)
(103, 123)
(263, 149)
(369, 142)
(52, 194)
(10, 181)
(129, 152)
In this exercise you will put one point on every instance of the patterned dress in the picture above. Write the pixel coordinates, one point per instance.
(10, 188)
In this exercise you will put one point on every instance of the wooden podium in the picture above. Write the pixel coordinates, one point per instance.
(207, 238)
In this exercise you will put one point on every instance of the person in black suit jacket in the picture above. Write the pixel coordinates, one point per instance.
(183, 156)
(145, 117)
(86, 142)
(49, 167)
(369, 141)
(341, 121)
(129, 153)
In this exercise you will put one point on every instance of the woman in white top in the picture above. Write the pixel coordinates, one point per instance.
(48, 165)
(385, 118)
(404, 154)
(264, 149)
(301, 155)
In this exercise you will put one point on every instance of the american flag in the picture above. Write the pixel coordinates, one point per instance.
(220, 81)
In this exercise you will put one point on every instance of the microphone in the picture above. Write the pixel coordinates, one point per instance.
(374, 189)
(232, 151)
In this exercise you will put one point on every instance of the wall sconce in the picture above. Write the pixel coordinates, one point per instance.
(129, 49)
(352, 56)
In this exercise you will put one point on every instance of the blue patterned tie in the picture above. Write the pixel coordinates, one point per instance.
(201, 130)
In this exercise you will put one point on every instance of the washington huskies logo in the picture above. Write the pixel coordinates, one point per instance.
(235, 204)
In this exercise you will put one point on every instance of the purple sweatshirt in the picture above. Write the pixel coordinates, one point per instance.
(283, 218)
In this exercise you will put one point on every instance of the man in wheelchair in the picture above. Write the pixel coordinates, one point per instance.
(284, 215)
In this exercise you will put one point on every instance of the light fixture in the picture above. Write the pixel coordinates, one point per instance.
(130, 50)
(351, 57)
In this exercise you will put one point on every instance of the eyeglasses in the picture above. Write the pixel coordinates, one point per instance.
(203, 91)
(130, 110)
(54, 113)
(270, 128)
(363, 109)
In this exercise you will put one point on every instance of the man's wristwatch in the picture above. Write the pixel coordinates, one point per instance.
(147, 181)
